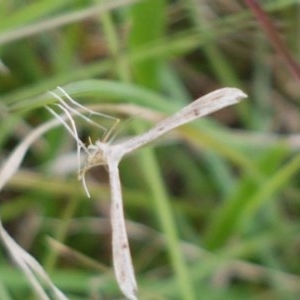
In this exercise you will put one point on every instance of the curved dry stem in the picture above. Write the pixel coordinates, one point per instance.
(31, 268)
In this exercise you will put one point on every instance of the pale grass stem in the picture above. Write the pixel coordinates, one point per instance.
(29, 266)
(103, 153)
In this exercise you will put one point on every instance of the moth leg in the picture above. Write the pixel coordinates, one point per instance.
(73, 131)
(87, 110)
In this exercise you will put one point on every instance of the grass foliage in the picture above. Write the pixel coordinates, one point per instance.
(213, 209)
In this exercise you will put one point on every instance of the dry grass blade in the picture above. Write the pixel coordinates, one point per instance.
(26, 262)
(68, 18)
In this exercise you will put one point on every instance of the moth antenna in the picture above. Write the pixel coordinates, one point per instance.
(108, 134)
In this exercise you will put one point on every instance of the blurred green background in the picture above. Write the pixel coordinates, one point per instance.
(213, 208)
